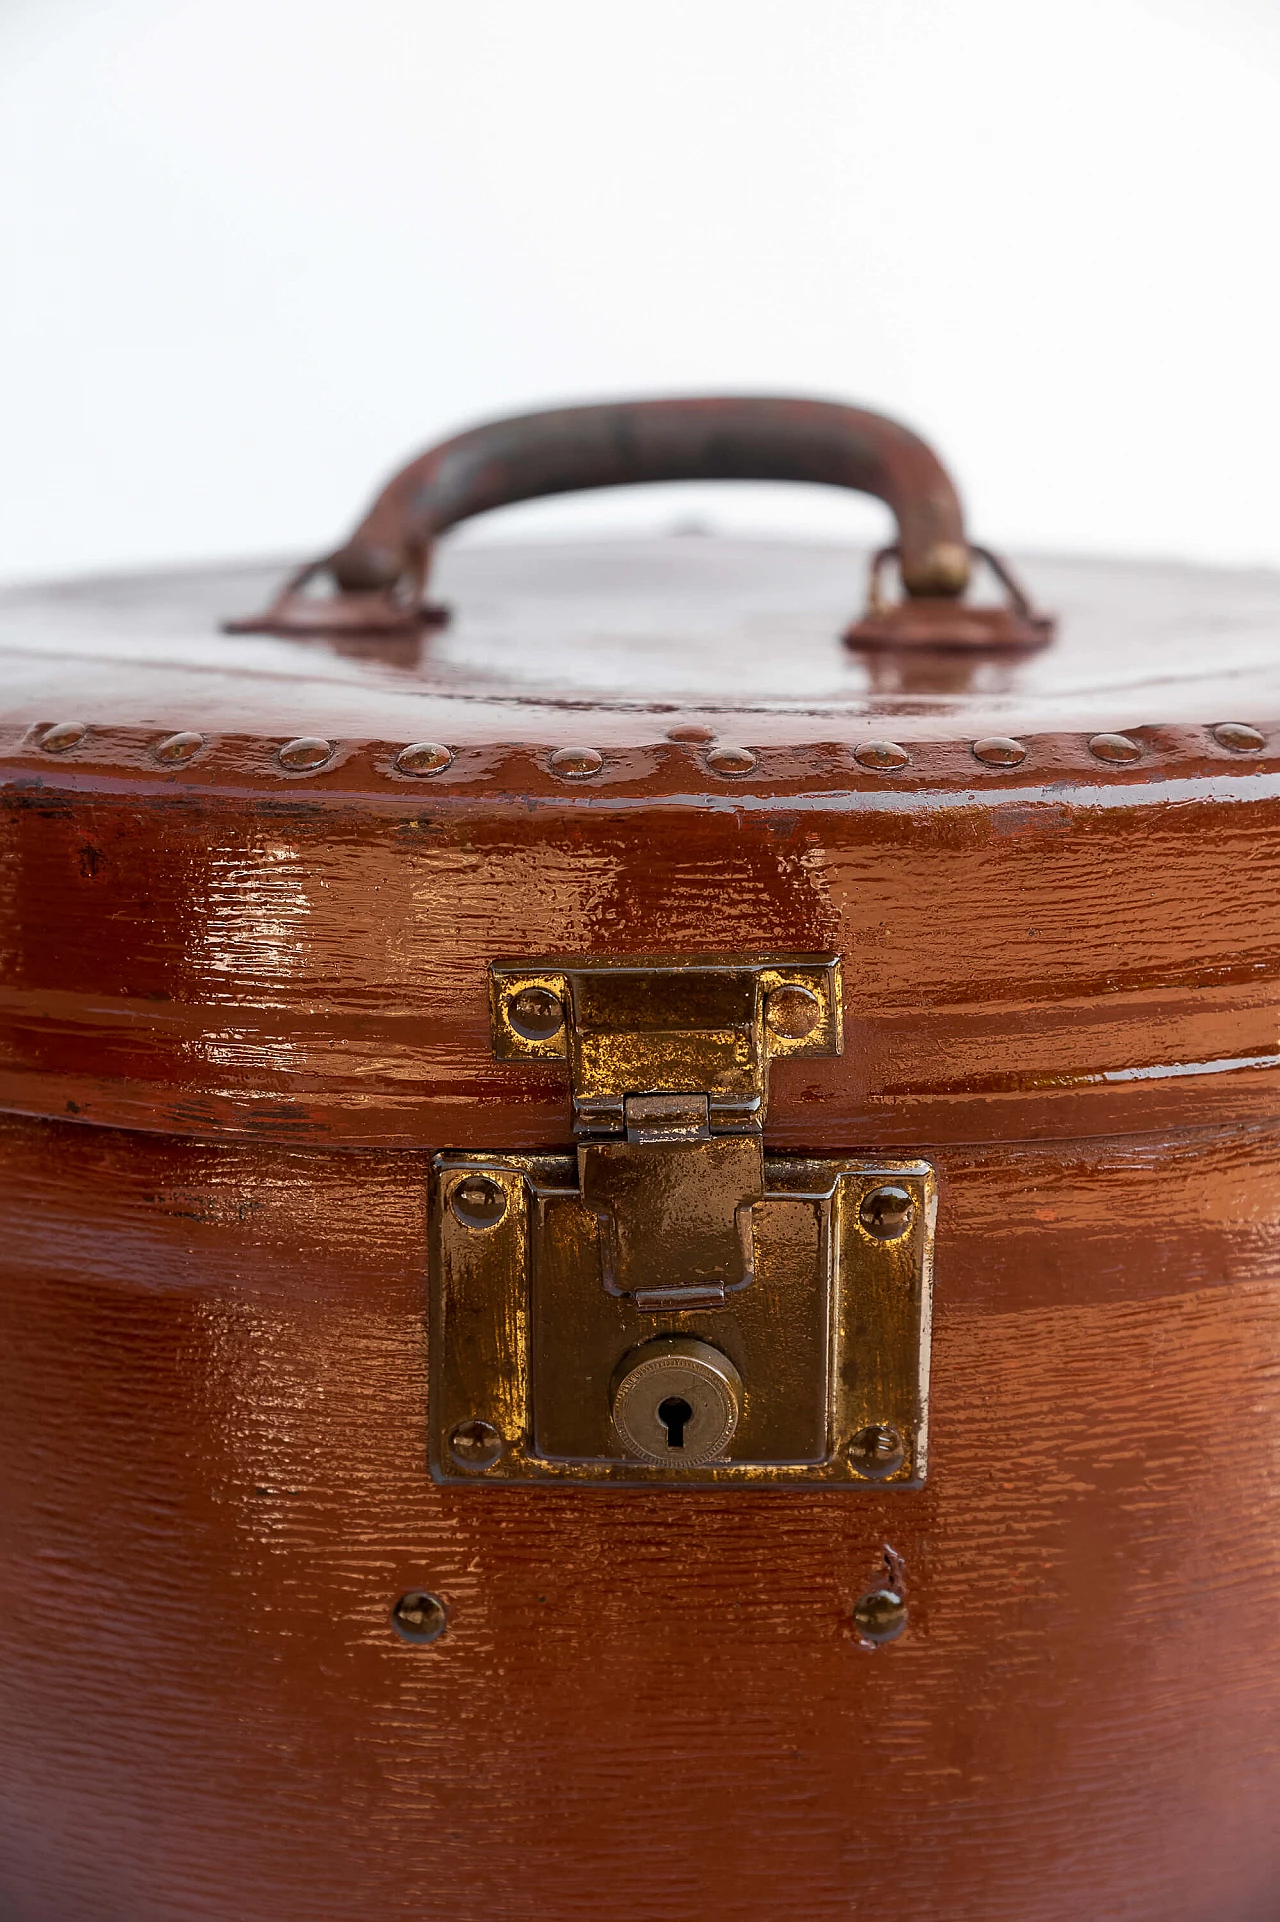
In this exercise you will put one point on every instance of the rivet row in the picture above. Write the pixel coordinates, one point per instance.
(308, 754)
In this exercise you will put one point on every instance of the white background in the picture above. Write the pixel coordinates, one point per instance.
(258, 251)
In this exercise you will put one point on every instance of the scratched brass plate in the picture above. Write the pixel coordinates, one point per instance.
(831, 1338)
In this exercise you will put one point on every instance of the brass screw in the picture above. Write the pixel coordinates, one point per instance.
(886, 1212)
(304, 755)
(475, 1444)
(419, 1617)
(536, 1013)
(877, 1450)
(478, 1202)
(423, 757)
(792, 1011)
(881, 1616)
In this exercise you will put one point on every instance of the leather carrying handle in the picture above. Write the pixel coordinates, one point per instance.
(381, 572)
(571, 449)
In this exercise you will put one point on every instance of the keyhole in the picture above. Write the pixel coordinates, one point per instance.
(673, 1413)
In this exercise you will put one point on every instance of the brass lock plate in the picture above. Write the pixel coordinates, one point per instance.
(669, 1302)
(828, 1341)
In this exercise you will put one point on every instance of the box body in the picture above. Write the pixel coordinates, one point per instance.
(245, 1007)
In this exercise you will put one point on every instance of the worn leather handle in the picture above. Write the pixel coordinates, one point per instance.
(571, 449)
(381, 572)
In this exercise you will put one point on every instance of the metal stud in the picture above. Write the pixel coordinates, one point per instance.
(419, 1617)
(423, 757)
(792, 1011)
(536, 1013)
(691, 731)
(576, 763)
(305, 755)
(177, 748)
(876, 1450)
(1236, 735)
(881, 1616)
(886, 1212)
(478, 1202)
(65, 735)
(1114, 747)
(999, 750)
(475, 1444)
(881, 754)
(731, 760)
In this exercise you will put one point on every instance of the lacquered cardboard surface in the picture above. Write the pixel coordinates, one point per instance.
(632, 637)
(215, 1478)
(242, 1006)
(1030, 957)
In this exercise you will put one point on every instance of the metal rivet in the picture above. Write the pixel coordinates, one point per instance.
(536, 1013)
(423, 757)
(1235, 734)
(792, 1011)
(693, 732)
(1115, 747)
(178, 747)
(998, 750)
(731, 760)
(478, 1202)
(475, 1444)
(877, 1450)
(881, 754)
(575, 763)
(305, 754)
(67, 734)
(886, 1212)
(419, 1617)
(881, 1616)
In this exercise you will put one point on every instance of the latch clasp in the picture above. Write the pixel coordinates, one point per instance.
(668, 1069)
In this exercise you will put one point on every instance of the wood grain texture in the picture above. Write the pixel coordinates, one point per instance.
(213, 1449)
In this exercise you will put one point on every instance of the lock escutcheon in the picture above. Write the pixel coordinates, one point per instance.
(676, 1401)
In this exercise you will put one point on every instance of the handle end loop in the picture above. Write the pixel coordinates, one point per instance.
(378, 595)
(932, 614)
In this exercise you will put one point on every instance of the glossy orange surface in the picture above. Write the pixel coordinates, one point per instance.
(241, 1006)
(215, 1489)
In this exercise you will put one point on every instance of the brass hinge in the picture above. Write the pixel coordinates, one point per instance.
(669, 1076)
(668, 1265)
